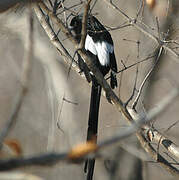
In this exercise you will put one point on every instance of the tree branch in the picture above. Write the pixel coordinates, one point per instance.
(24, 82)
(81, 151)
(116, 101)
(84, 21)
(138, 26)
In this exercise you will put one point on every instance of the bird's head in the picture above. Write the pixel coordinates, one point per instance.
(76, 26)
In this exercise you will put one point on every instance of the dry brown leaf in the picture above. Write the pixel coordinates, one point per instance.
(151, 3)
(82, 149)
(10, 148)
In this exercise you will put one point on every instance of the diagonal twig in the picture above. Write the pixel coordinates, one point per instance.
(24, 82)
(138, 26)
(79, 152)
(116, 101)
(146, 78)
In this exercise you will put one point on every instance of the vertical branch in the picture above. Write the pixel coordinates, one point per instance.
(134, 88)
(51, 100)
(84, 21)
(145, 79)
(27, 61)
(24, 82)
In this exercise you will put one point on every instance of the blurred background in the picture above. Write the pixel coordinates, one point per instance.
(54, 113)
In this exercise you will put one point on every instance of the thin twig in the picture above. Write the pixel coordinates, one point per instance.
(51, 99)
(143, 119)
(69, 9)
(54, 39)
(138, 26)
(89, 62)
(93, 6)
(158, 28)
(26, 68)
(50, 2)
(134, 88)
(80, 152)
(121, 76)
(134, 64)
(146, 78)
(116, 101)
(171, 126)
(141, 9)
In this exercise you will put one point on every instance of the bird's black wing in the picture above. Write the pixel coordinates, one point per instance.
(97, 31)
(113, 66)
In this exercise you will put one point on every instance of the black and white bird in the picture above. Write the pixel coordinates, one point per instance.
(99, 45)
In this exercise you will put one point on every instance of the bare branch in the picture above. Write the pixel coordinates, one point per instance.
(138, 26)
(89, 62)
(141, 119)
(146, 78)
(24, 82)
(84, 21)
(79, 152)
(38, 160)
(155, 136)
(54, 39)
(134, 88)
(116, 101)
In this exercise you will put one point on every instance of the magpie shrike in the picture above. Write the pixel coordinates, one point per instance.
(99, 45)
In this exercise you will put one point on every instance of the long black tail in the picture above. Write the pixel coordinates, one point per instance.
(93, 124)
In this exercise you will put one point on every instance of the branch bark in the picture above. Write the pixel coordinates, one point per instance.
(115, 100)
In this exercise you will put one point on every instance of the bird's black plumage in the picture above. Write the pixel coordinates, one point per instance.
(97, 34)
(99, 46)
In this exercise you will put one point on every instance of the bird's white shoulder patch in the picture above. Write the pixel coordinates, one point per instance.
(103, 50)
(90, 45)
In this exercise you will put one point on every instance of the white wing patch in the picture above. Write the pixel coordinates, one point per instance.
(101, 49)
(90, 45)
